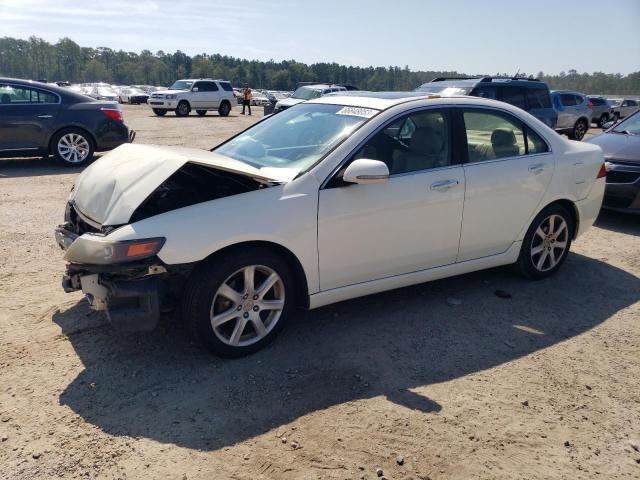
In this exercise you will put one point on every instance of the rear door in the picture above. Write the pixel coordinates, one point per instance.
(507, 172)
(27, 117)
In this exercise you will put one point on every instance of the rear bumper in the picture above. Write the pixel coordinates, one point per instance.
(112, 136)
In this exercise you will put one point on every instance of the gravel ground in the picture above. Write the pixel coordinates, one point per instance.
(445, 380)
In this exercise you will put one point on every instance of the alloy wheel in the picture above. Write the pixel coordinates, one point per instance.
(580, 130)
(247, 305)
(73, 147)
(549, 243)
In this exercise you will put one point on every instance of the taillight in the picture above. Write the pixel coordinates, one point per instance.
(590, 106)
(113, 114)
(603, 171)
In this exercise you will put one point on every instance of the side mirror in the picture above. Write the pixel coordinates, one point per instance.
(365, 172)
(194, 89)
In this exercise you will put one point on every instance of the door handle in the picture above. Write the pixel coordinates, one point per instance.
(536, 168)
(44, 116)
(444, 185)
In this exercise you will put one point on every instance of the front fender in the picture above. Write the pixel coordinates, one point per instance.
(279, 214)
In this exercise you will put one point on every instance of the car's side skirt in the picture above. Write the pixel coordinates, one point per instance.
(398, 281)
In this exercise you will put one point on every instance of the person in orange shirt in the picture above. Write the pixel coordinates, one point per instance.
(246, 98)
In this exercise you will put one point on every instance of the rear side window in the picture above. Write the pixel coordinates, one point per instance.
(568, 100)
(493, 135)
(10, 94)
(579, 99)
(486, 91)
(597, 101)
(514, 96)
(226, 86)
(539, 98)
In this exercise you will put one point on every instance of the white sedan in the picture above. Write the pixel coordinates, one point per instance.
(329, 200)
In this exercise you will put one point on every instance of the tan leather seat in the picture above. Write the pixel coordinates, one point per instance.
(426, 150)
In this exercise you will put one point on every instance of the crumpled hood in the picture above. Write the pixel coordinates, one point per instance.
(110, 189)
(618, 146)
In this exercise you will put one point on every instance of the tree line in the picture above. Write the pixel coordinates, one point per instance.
(36, 59)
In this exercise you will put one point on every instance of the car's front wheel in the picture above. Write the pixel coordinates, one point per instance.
(547, 243)
(238, 303)
(72, 146)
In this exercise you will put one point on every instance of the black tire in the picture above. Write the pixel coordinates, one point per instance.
(159, 112)
(59, 152)
(201, 288)
(527, 260)
(202, 113)
(579, 130)
(604, 118)
(183, 109)
(224, 109)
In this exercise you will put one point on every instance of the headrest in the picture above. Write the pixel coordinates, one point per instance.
(426, 140)
(503, 137)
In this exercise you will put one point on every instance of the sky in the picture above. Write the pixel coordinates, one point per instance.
(470, 36)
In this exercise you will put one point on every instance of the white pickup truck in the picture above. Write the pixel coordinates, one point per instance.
(199, 94)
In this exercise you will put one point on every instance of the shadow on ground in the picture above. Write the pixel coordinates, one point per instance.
(620, 222)
(36, 167)
(164, 387)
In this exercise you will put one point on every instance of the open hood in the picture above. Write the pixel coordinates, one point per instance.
(110, 190)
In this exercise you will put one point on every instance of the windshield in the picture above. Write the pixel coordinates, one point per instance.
(297, 137)
(307, 93)
(444, 90)
(630, 125)
(181, 85)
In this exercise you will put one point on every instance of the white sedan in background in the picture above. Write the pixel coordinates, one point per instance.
(329, 200)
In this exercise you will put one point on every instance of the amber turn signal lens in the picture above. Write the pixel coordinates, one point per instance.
(142, 249)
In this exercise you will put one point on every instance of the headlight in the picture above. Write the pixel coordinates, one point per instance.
(170, 97)
(97, 250)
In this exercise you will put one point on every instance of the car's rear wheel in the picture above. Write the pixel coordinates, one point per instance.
(237, 304)
(202, 113)
(604, 118)
(224, 109)
(547, 243)
(182, 110)
(72, 147)
(579, 130)
(159, 112)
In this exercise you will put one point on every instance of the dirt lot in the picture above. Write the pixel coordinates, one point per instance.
(442, 381)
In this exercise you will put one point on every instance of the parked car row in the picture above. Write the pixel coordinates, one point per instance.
(567, 112)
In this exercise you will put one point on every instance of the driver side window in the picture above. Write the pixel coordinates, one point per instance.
(415, 142)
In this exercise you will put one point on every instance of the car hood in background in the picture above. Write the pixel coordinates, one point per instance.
(618, 146)
(109, 191)
(289, 102)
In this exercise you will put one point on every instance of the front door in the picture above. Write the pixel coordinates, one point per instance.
(509, 167)
(409, 223)
(27, 117)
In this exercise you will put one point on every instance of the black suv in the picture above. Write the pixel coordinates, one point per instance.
(529, 94)
(43, 119)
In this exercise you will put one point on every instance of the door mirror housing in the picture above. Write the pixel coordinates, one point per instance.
(365, 172)
(194, 89)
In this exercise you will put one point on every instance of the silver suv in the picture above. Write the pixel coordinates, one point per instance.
(199, 94)
(623, 107)
(574, 113)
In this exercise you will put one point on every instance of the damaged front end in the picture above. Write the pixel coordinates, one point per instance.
(127, 278)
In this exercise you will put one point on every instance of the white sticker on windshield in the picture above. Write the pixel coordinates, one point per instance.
(357, 112)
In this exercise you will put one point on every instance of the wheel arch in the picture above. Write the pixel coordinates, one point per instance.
(90, 134)
(299, 275)
(573, 211)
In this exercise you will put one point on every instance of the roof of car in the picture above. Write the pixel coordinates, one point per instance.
(384, 100)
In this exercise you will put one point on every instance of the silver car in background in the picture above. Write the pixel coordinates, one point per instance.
(574, 113)
(623, 107)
